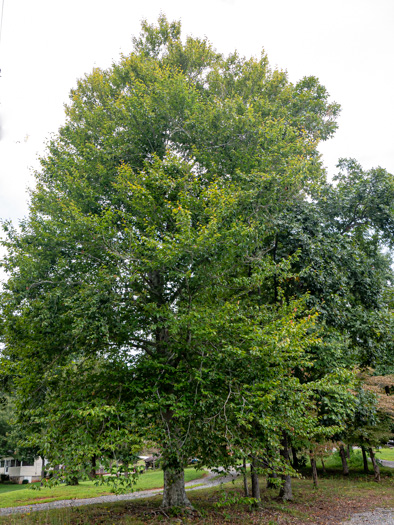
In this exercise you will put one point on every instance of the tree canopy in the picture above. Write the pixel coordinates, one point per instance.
(186, 274)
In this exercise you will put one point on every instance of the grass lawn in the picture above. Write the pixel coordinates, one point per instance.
(335, 500)
(355, 462)
(15, 495)
(385, 453)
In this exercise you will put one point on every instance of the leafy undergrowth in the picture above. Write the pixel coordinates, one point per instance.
(335, 500)
(16, 495)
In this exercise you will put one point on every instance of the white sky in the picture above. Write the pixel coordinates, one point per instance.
(47, 44)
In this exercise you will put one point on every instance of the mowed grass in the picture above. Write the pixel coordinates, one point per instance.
(355, 462)
(15, 495)
(386, 453)
(336, 499)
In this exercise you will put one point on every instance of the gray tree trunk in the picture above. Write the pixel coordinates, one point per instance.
(323, 466)
(174, 494)
(345, 467)
(285, 490)
(376, 469)
(255, 480)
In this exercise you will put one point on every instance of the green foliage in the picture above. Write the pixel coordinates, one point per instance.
(5, 427)
(234, 498)
(185, 276)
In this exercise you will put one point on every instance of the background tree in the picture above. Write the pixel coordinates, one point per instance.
(5, 428)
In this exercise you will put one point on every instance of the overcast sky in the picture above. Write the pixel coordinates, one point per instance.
(47, 44)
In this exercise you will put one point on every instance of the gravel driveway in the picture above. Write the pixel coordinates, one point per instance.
(377, 516)
(386, 463)
(373, 517)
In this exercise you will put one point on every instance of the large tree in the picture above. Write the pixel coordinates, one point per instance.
(150, 261)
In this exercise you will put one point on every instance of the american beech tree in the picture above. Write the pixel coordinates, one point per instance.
(147, 298)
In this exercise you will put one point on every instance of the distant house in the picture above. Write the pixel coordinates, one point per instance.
(28, 469)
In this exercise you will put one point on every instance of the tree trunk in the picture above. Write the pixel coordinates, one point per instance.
(376, 469)
(314, 470)
(348, 451)
(42, 471)
(271, 475)
(93, 470)
(323, 466)
(255, 480)
(296, 463)
(174, 494)
(285, 491)
(246, 487)
(270, 483)
(345, 466)
(56, 471)
(365, 460)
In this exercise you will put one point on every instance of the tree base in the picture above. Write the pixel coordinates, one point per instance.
(174, 495)
(285, 492)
